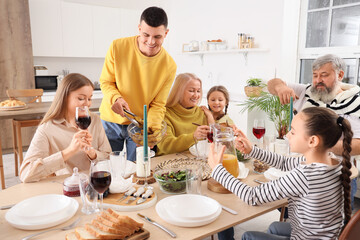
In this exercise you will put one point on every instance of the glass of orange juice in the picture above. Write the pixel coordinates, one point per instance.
(225, 137)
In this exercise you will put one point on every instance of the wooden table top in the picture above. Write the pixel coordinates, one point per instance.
(53, 185)
(39, 109)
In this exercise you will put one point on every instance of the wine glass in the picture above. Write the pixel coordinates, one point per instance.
(100, 177)
(259, 128)
(82, 117)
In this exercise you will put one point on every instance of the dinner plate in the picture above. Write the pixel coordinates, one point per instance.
(14, 108)
(274, 173)
(47, 217)
(163, 214)
(191, 207)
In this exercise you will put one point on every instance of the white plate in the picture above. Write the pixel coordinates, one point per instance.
(203, 148)
(14, 108)
(274, 173)
(191, 207)
(243, 171)
(48, 216)
(163, 214)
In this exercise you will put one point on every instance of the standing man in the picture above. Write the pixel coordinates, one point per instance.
(328, 91)
(137, 71)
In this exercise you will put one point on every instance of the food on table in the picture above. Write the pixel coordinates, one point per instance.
(156, 131)
(110, 224)
(231, 164)
(259, 166)
(12, 103)
(171, 181)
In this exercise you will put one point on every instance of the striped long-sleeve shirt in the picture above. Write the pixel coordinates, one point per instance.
(314, 192)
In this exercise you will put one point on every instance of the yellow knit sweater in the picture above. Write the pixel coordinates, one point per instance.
(180, 130)
(137, 78)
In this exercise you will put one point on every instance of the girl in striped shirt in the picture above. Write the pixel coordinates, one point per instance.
(317, 186)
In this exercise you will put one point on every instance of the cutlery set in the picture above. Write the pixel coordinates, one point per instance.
(135, 194)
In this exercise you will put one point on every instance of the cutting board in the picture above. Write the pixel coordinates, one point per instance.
(214, 186)
(139, 235)
(111, 201)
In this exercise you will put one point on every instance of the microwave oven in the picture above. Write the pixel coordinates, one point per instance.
(46, 82)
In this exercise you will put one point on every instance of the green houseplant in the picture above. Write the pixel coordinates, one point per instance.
(276, 112)
(254, 87)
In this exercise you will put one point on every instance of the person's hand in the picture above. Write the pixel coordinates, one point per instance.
(242, 143)
(208, 115)
(284, 93)
(215, 157)
(119, 105)
(78, 142)
(201, 132)
(88, 149)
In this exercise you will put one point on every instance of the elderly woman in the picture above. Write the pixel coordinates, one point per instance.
(58, 144)
(182, 111)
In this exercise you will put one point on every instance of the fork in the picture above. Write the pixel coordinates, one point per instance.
(62, 229)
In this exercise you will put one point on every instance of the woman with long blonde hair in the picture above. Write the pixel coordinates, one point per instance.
(58, 144)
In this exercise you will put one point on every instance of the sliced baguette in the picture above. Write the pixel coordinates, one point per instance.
(101, 234)
(119, 222)
(114, 225)
(124, 232)
(125, 219)
(71, 236)
(82, 234)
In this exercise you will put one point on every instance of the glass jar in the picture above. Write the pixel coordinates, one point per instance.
(250, 41)
(225, 137)
(241, 39)
(71, 184)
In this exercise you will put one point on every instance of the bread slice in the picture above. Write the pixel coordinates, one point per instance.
(124, 232)
(125, 219)
(82, 234)
(115, 225)
(119, 222)
(71, 236)
(102, 234)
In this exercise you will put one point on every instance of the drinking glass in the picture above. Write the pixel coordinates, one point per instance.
(82, 117)
(259, 129)
(193, 179)
(88, 195)
(100, 177)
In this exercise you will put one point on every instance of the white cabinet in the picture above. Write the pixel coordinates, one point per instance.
(106, 23)
(67, 29)
(46, 27)
(77, 29)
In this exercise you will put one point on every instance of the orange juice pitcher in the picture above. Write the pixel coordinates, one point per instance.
(225, 137)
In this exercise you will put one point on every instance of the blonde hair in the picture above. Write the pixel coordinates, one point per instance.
(69, 84)
(177, 91)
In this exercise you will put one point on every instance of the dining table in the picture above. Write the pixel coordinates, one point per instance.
(36, 109)
(53, 185)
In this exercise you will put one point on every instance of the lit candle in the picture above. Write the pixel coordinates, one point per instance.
(145, 136)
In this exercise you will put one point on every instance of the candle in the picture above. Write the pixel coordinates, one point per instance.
(291, 112)
(140, 164)
(145, 136)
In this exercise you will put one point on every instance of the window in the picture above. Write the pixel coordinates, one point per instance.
(330, 26)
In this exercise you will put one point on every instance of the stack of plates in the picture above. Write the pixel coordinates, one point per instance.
(188, 210)
(42, 211)
(274, 173)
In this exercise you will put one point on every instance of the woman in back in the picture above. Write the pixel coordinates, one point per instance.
(317, 186)
(182, 111)
(58, 144)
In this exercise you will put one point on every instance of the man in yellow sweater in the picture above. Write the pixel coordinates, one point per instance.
(137, 71)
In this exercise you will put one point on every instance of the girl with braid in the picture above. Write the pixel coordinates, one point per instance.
(218, 103)
(317, 186)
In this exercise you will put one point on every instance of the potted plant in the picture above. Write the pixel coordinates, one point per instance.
(276, 112)
(254, 87)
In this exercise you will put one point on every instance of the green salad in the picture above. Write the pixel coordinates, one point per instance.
(172, 181)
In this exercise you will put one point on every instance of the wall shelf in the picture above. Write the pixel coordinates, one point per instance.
(244, 52)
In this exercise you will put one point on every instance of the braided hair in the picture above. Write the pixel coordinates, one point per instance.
(224, 91)
(330, 127)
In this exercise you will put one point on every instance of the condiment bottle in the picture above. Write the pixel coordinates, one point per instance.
(241, 39)
(71, 184)
(250, 41)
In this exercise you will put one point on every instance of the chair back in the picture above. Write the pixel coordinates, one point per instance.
(33, 94)
(352, 229)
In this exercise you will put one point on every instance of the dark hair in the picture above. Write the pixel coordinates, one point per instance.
(154, 17)
(223, 90)
(329, 127)
(69, 84)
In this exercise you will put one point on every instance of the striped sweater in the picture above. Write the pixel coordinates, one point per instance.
(314, 193)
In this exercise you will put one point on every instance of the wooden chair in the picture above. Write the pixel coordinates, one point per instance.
(34, 95)
(352, 229)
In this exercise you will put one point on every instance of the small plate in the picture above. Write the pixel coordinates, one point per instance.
(203, 148)
(47, 218)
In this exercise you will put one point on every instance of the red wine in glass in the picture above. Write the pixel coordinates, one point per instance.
(210, 136)
(258, 132)
(83, 122)
(100, 180)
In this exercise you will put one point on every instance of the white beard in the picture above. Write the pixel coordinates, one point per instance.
(326, 95)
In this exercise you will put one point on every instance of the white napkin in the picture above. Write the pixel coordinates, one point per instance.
(274, 173)
(203, 147)
(120, 185)
(243, 171)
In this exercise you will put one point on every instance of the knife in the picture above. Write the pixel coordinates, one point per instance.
(7, 207)
(229, 210)
(128, 193)
(138, 193)
(145, 196)
(171, 233)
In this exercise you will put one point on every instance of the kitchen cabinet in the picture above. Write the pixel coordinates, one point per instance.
(77, 29)
(46, 27)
